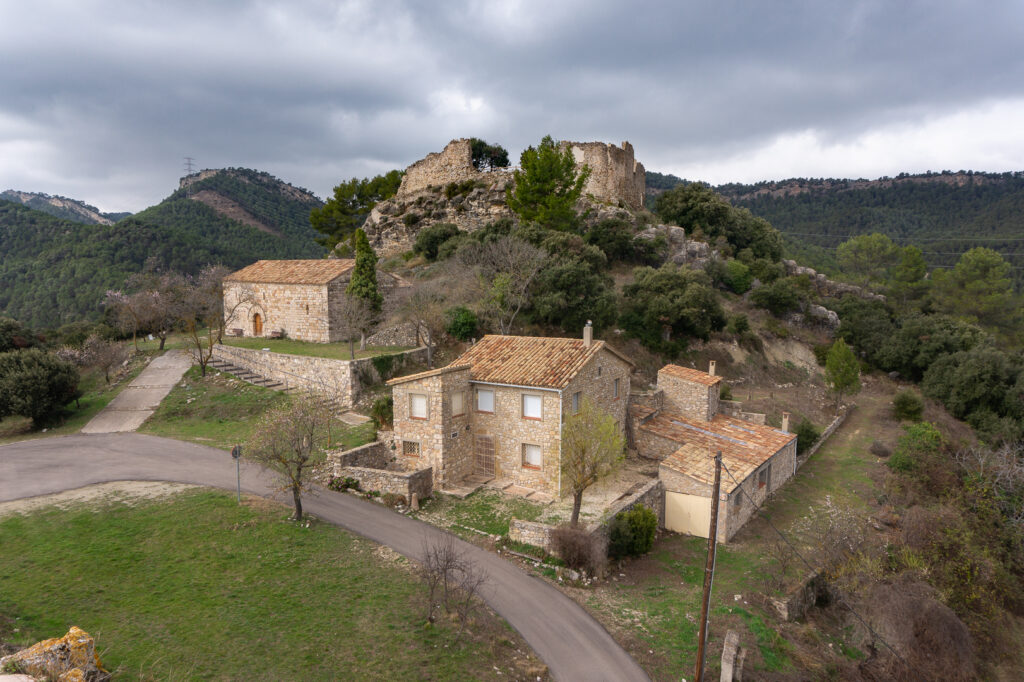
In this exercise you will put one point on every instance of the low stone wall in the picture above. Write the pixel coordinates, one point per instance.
(829, 430)
(404, 483)
(734, 408)
(341, 379)
(375, 455)
(399, 335)
(530, 532)
(797, 601)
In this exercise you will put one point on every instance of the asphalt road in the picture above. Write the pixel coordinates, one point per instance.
(570, 641)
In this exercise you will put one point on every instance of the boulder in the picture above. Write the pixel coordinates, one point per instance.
(71, 658)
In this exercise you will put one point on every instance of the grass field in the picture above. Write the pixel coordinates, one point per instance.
(337, 351)
(198, 587)
(96, 394)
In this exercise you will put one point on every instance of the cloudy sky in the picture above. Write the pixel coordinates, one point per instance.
(102, 100)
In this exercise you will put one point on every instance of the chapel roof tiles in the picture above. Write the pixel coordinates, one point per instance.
(318, 271)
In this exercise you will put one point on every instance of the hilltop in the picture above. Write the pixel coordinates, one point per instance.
(63, 207)
(57, 270)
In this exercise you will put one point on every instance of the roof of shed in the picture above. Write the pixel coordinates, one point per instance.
(745, 446)
(536, 361)
(319, 271)
(694, 375)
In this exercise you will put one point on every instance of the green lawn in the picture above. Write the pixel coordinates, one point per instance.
(337, 351)
(198, 587)
(96, 395)
(486, 510)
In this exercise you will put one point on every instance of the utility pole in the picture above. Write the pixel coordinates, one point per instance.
(709, 569)
(189, 165)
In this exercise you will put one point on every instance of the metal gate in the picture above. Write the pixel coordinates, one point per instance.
(484, 459)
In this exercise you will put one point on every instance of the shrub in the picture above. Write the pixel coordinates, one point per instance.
(738, 325)
(631, 533)
(461, 323)
(907, 406)
(921, 441)
(726, 392)
(807, 435)
(430, 239)
(880, 449)
(737, 276)
(385, 364)
(339, 484)
(579, 549)
(393, 499)
(35, 384)
(821, 352)
(383, 412)
(778, 298)
(410, 219)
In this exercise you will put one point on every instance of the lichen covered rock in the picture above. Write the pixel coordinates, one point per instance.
(71, 658)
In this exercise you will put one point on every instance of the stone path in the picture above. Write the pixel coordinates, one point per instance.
(139, 399)
(564, 635)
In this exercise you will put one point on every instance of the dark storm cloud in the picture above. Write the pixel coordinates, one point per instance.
(101, 100)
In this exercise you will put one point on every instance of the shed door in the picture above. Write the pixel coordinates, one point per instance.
(484, 456)
(689, 513)
(257, 325)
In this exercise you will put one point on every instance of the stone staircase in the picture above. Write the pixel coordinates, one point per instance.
(255, 379)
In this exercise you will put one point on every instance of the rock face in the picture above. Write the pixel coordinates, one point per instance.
(681, 251)
(71, 658)
(444, 187)
(827, 287)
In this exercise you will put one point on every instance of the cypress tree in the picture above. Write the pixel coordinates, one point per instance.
(364, 275)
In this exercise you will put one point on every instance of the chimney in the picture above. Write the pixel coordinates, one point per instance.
(711, 368)
(785, 422)
(588, 334)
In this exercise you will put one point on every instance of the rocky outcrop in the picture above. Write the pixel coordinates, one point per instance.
(681, 251)
(828, 287)
(71, 658)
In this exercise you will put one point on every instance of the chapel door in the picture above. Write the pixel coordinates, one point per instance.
(484, 456)
(257, 325)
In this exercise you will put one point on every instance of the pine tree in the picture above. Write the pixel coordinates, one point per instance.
(842, 371)
(548, 186)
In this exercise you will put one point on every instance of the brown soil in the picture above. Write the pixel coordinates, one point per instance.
(230, 209)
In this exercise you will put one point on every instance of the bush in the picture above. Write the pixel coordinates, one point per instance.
(725, 393)
(737, 276)
(430, 239)
(631, 533)
(880, 449)
(35, 384)
(385, 364)
(807, 435)
(461, 323)
(778, 298)
(410, 219)
(907, 406)
(738, 325)
(339, 484)
(921, 441)
(821, 352)
(383, 412)
(393, 499)
(579, 549)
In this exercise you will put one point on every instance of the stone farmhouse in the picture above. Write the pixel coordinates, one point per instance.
(496, 412)
(299, 299)
(684, 424)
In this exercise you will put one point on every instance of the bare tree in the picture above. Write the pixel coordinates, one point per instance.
(355, 318)
(158, 300)
(127, 312)
(1002, 468)
(290, 442)
(591, 448)
(506, 270)
(423, 306)
(453, 581)
(103, 354)
(202, 313)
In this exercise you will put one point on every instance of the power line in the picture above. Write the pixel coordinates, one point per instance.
(916, 239)
(800, 556)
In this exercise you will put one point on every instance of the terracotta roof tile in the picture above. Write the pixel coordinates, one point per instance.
(428, 373)
(320, 271)
(745, 446)
(529, 360)
(694, 375)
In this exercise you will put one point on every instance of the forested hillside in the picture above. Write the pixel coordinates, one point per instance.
(63, 207)
(56, 271)
(945, 214)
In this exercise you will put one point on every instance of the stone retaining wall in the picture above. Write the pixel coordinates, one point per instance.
(341, 379)
(404, 483)
(530, 532)
(829, 430)
(375, 455)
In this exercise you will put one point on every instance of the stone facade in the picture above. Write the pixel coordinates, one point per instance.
(495, 443)
(691, 399)
(615, 174)
(736, 508)
(404, 483)
(452, 164)
(341, 379)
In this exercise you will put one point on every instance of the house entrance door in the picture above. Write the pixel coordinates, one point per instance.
(257, 325)
(484, 459)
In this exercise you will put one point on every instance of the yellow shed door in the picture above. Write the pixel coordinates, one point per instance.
(688, 513)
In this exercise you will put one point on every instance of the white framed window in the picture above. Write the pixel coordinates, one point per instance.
(458, 403)
(417, 406)
(576, 402)
(615, 388)
(532, 405)
(531, 456)
(410, 448)
(484, 400)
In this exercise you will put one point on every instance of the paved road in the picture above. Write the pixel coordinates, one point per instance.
(136, 402)
(571, 643)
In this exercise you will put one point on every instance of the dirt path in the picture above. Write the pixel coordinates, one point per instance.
(571, 642)
(137, 402)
